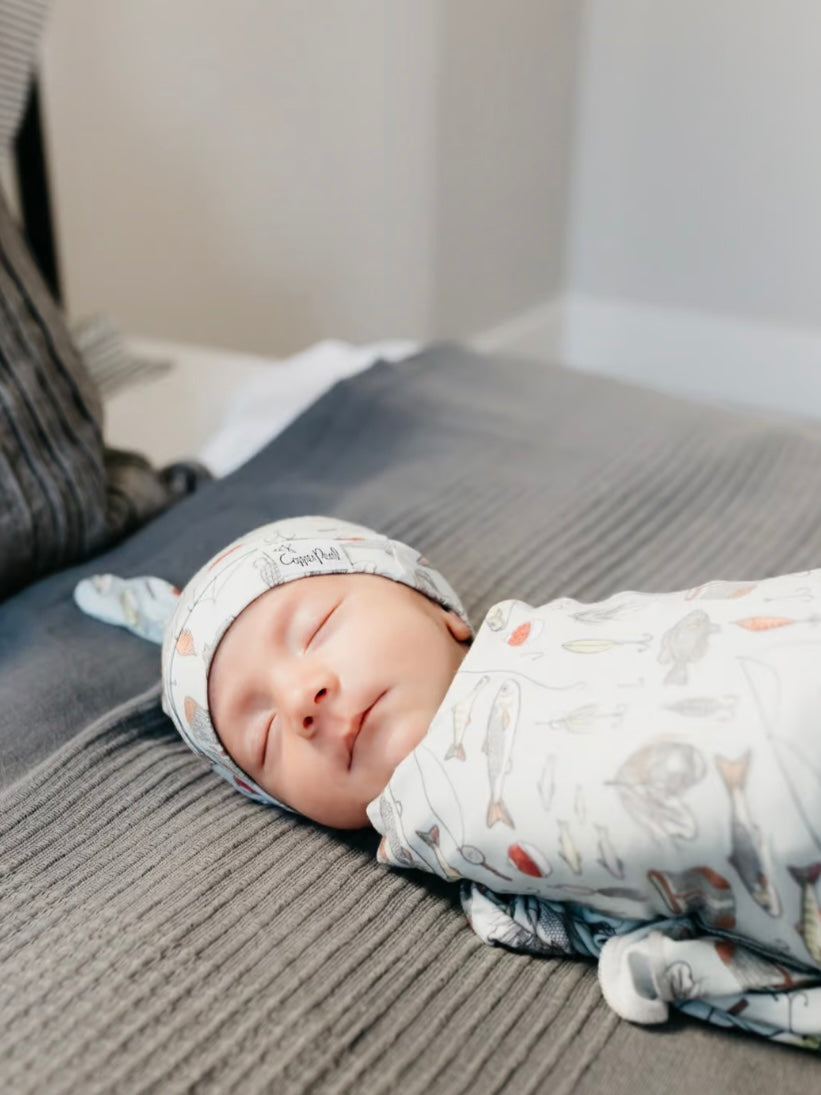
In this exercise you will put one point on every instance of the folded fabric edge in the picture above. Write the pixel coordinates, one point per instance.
(627, 982)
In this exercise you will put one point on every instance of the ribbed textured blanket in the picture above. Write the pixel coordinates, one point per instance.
(160, 933)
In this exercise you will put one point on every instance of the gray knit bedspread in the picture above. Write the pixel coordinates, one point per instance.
(160, 933)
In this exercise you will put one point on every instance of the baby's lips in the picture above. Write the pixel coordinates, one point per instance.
(352, 735)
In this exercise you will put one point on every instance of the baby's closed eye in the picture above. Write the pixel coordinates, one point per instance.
(266, 735)
(319, 625)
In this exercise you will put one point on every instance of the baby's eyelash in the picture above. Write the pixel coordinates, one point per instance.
(321, 624)
(265, 738)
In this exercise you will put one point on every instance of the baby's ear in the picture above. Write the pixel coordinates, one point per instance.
(456, 626)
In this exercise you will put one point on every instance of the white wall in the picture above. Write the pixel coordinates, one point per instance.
(698, 178)
(270, 172)
(265, 173)
(505, 120)
(694, 245)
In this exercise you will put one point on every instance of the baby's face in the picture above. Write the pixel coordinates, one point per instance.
(323, 685)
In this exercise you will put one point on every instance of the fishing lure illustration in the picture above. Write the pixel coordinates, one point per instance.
(719, 590)
(584, 719)
(770, 623)
(568, 850)
(601, 646)
(608, 857)
(529, 860)
(607, 613)
(809, 926)
(721, 708)
(546, 785)
(525, 633)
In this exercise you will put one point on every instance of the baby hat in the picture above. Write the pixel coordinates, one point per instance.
(266, 557)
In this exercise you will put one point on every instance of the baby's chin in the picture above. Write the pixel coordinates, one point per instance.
(371, 775)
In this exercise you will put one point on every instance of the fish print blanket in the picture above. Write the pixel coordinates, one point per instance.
(638, 780)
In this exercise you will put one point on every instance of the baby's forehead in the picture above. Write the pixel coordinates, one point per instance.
(288, 597)
(284, 608)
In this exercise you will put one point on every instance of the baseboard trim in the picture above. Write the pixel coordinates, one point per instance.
(536, 333)
(719, 359)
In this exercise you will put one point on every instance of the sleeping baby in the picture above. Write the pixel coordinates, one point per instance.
(637, 780)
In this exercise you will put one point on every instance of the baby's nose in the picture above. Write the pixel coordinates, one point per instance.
(309, 695)
(310, 711)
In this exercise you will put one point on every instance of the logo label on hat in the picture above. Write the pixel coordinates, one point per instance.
(312, 556)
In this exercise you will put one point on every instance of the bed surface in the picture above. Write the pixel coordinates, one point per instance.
(161, 933)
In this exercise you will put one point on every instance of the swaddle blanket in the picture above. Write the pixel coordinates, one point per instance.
(638, 780)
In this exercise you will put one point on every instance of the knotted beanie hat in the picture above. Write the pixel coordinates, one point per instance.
(193, 622)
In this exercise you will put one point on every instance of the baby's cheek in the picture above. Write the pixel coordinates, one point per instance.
(405, 736)
(315, 781)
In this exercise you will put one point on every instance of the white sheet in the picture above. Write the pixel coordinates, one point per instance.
(222, 406)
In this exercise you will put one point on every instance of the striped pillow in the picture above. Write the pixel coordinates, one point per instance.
(63, 496)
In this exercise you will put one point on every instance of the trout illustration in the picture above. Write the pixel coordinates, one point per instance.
(461, 712)
(501, 731)
(748, 854)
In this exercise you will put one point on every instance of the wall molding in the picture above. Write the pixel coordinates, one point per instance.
(536, 333)
(720, 359)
